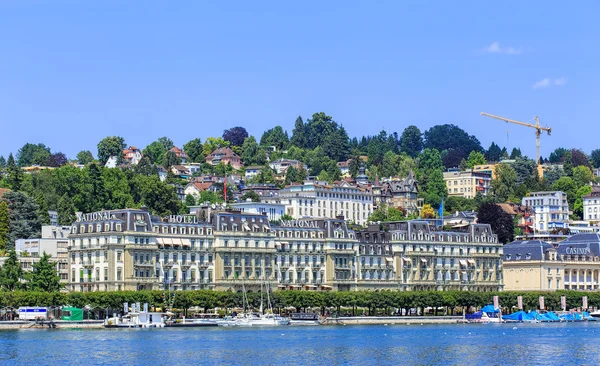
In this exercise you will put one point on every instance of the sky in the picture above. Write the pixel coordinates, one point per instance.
(74, 72)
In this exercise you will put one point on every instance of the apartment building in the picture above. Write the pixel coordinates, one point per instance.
(467, 183)
(551, 210)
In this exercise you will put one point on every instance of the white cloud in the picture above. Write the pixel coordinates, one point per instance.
(497, 48)
(547, 82)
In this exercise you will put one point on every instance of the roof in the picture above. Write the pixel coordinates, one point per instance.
(225, 151)
(180, 167)
(526, 250)
(580, 244)
(201, 186)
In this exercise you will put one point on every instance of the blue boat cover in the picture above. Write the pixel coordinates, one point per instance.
(489, 309)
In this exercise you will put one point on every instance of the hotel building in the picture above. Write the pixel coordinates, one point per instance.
(551, 210)
(54, 242)
(131, 249)
(315, 199)
(468, 183)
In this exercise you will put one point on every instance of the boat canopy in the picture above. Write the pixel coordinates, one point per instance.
(489, 309)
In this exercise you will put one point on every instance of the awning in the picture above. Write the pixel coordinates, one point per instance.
(168, 241)
(255, 226)
(460, 225)
(185, 242)
(423, 260)
(389, 259)
(406, 259)
(177, 241)
(462, 262)
(159, 241)
(326, 286)
(471, 261)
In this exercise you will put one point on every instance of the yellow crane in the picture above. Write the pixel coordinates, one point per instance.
(538, 130)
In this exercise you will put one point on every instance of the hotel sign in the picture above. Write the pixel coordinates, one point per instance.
(183, 219)
(299, 223)
(94, 216)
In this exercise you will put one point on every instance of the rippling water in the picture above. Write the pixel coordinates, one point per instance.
(474, 344)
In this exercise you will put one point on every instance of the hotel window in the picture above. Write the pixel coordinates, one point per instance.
(119, 274)
(119, 257)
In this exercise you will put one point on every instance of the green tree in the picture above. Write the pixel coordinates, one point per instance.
(567, 185)
(553, 174)
(24, 220)
(208, 196)
(43, 213)
(85, 157)
(411, 141)
(252, 153)
(2, 163)
(384, 213)
(493, 153)
(299, 134)
(595, 158)
(111, 146)
(44, 276)
(166, 142)
(458, 203)
(389, 165)
(117, 188)
(578, 204)
(96, 185)
(15, 174)
(12, 273)
(157, 196)
(568, 164)
(275, 137)
(582, 176)
(4, 225)
(193, 149)
(525, 169)
(253, 196)
(557, 156)
(501, 222)
(452, 139)
(171, 159)
(66, 211)
(212, 143)
(33, 154)
(145, 167)
(475, 158)
(291, 175)
(504, 184)
(436, 188)
(155, 152)
(515, 153)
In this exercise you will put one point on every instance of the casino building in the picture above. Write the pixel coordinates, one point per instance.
(130, 249)
(574, 264)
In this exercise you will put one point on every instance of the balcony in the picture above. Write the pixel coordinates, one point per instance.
(143, 264)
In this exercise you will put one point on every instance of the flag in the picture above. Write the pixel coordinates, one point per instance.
(225, 189)
(585, 304)
(496, 302)
(520, 302)
(541, 302)
(563, 302)
(125, 308)
(441, 212)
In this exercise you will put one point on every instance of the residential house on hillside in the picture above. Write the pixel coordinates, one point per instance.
(252, 171)
(460, 219)
(180, 154)
(193, 168)
(263, 190)
(132, 155)
(344, 167)
(468, 183)
(525, 215)
(226, 156)
(551, 210)
(162, 173)
(180, 171)
(591, 205)
(281, 165)
(195, 188)
(399, 193)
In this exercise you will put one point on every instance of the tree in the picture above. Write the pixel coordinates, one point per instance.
(567, 185)
(252, 154)
(275, 137)
(557, 156)
(253, 196)
(44, 276)
(458, 203)
(155, 152)
(15, 174)
(24, 220)
(212, 143)
(583, 176)
(568, 163)
(579, 158)
(515, 153)
(475, 158)
(43, 213)
(389, 166)
(166, 142)
(553, 174)
(66, 211)
(157, 196)
(57, 159)
(436, 188)
(33, 154)
(578, 204)
(427, 212)
(525, 168)
(12, 273)
(4, 225)
(235, 135)
(299, 134)
(193, 149)
(111, 146)
(504, 184)
(454, 140)
(2, 163)
(595, 158)
(291, 175)
(501, 222)
(171, 159)
(85, 157)
(384, 214)
(145, 167)
(493, 153)
(411, 141)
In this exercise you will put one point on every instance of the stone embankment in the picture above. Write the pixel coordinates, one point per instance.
(364, 320)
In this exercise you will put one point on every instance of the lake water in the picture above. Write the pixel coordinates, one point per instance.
(473, 344)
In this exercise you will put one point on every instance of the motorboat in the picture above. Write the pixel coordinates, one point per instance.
(136, 320)
(305, 319)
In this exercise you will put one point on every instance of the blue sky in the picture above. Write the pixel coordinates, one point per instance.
(73, 72)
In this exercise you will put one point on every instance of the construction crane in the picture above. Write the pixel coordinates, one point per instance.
(538, 130)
